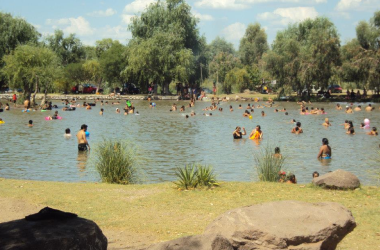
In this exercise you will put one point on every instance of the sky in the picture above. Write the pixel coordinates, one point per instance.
(94, 20)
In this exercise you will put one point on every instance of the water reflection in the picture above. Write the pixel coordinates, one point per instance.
(82, 160)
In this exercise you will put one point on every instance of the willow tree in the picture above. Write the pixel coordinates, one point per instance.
(304, 54)
(253, 44)
(14, 32)
(164, 44)
(361, 56)
(31, 68)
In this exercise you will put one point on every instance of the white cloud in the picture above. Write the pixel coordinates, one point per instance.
(287, 15)
(284, 1)
(119, 32)
(358, 5)
(126, 18)
(103, 13)
(202, 17)
(234, 32)
(79, 26)
(221, 4)
(344, 5)
(137, 6)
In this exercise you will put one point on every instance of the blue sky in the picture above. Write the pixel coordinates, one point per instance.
(95, 20)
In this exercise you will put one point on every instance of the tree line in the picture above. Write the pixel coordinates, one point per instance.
(167, 49)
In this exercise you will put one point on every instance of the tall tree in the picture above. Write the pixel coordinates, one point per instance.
(165, 44)
(304, 54)
(31, 67)
(14, 32)
(69, 49)
(253, 45)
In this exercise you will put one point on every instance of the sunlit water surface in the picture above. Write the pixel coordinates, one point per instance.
(167, 140)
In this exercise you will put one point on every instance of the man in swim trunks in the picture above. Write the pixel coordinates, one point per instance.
(325, 150)
(82, 141)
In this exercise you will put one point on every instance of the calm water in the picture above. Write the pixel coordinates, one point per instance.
(168, 140)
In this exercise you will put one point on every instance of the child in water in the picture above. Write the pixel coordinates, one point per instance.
(30, 123)
(67, 133)
(373, 132)
(277, 153)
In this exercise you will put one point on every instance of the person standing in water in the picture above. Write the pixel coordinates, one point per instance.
(256, 133)
(238, 134)
(325, 150)
(82, 141)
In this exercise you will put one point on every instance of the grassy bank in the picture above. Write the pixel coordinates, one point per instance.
(159, 212)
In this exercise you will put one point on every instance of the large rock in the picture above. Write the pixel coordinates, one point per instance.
(275, 225)
(197, 242)
(76, 234)
(338, 179)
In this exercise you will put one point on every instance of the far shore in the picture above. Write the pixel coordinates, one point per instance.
(135, 216)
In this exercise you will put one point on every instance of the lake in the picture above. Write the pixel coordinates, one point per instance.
(167, 140)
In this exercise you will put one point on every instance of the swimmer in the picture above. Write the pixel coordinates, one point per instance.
(248, 106)
(286, 113)
(54, 117)
(277, 153)
(88, 107)
(30, 124)
(315, 174)
(174, 107)
(125, 111)
(117, 111)
(350, 130)
(182, 109)
(7, 107)
(263, 113)
(291, 179)
(327, 123)
(240, 107)
(192, 113)
(325, 150)
(276, 110)
(369, 108)
(67, 133)
(358, 108)
(231, 109)
(187, 116)
(338, 107)
(237, 134)
(346, 124)
(246, 113)
(373, 132)
(362, 125)
(101, 111)
(349, 110)
(256, 133)
(82, 141)
(297, 129)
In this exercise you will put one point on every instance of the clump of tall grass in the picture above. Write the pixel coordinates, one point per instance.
(116, 162)
(267, 165)
(195, 175)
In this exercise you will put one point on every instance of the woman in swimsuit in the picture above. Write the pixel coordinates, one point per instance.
(325, 150)
(238, 134)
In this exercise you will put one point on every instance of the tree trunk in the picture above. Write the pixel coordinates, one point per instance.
(43, 98)
(33, 99)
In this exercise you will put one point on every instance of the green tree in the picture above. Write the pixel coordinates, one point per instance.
(14, 32)
(93, 72)
(220, 66)
(69, 49)
(165, 45)
(112, 62)
(253, 45)
(304, 54)
(219, 44)
(31, 67)
(237, 78)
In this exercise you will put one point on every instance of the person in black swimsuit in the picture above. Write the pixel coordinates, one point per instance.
(238, 134)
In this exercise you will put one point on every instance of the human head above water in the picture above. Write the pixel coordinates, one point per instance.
(67, 131)
(277, 150)
(84, 126)
(315, 174)
(325, 141)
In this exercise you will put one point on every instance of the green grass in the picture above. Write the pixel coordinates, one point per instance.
(267, 166)
(162, 212)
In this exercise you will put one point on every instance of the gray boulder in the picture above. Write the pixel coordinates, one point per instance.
(287, 225)
(338, 179)
(76, 234)
(197, 242)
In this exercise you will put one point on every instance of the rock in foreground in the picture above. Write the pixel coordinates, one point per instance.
(77, 233)
(338, 179)
(275, 225)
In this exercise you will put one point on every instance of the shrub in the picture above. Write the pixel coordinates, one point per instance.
(267, 166)
(195, 175)
(115, 162)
